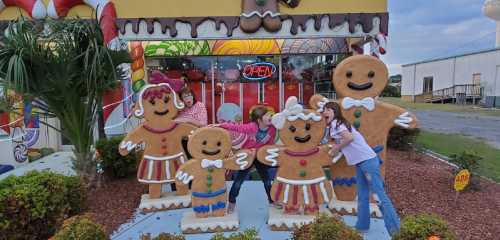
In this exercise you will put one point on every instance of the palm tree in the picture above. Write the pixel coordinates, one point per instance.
(66, 65)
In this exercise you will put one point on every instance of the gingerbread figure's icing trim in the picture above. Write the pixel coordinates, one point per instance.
(241, 160)
(262, 15)
(367, 102)
(140, 112)
(293, 111)
(184, 177)
(129, 145)
(206, 163)
(273, 154)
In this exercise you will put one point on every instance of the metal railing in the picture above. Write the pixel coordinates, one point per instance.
(459, 93)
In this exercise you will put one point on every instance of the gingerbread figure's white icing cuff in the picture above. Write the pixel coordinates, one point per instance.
(404, 120)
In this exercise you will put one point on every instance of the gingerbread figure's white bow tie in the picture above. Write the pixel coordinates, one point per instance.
(205, 163)
(368, 103)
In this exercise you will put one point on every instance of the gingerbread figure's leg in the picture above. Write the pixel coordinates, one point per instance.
(201, 207)
(292, 205)
(154, 190)
(219, 205)
(314, 197)
(250, 20)
(311, 209)
(182, 189)
(272, 20)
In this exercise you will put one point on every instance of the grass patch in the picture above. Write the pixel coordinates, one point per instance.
(448, 144)
(441, 107)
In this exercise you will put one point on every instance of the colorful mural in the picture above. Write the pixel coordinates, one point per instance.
(244, 47)
(177, 48)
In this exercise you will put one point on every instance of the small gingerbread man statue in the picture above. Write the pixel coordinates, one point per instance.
(160, 137)
(300, 180)
(255, 13)
(211, 149)
(359, 80)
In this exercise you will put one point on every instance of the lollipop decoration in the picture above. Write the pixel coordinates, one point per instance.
(138, 72)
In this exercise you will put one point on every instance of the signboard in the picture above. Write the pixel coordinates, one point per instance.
(259, 71)
(462, 180)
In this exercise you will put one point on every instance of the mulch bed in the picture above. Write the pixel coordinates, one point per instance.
(416, 185)
(115, 202)
(425, 185)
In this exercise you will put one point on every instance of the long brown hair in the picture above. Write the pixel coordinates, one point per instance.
(187, 90)
(258, 112)
(337, 112)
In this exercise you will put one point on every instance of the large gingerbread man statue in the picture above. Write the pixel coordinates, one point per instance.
(255, 13)
(300, 180)
(160, 137)
(359, 80)
(211, 149)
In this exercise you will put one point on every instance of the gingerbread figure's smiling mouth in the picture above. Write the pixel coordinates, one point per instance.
(360, 87)
(210, 153)
(161, 113)
(303, 139)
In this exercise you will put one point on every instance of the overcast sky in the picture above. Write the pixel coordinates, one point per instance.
(425, 29)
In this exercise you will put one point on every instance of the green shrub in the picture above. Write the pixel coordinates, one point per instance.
(326, 228)
(422, 227)
(114, 164)
(81, 228)
(46, 151)
(402, 139)
(249, 234)
(34, 205)
(391, 91)
(466, 160)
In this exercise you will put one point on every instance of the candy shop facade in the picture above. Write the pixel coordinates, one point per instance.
(233, 54)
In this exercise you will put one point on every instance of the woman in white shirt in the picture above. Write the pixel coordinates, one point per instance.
(368, 177)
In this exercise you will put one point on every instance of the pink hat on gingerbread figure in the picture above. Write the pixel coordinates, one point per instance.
(157, 77)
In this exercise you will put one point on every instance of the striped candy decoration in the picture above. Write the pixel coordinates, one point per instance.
(34, 8)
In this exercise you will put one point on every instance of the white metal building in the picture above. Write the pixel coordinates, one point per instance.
(479, 69)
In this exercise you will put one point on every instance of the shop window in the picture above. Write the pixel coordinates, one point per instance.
(428, 82)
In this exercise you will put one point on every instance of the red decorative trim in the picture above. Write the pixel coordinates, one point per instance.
(295, 194)
(303, 153)
(278, 192)
(314, 193)
(160, 131)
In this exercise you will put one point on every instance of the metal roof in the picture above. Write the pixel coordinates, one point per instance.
(450, 57)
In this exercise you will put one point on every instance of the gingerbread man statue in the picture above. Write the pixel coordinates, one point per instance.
(300, 180)
(257, 13)
(211, 149)
(160, 137)
(359, 80)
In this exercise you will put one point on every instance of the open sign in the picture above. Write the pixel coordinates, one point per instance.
(259, 71)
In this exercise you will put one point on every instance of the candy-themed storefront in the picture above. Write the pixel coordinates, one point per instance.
(237, 53)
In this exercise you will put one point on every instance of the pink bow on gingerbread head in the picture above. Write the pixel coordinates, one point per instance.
(157, 77)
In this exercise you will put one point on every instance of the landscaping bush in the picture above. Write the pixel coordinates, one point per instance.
(81, 228)
(114, 164)
(249, 234)
(423, 227)
(468, 160)
(402, 139)
(34, 205)
(391, 91)
(326, 228)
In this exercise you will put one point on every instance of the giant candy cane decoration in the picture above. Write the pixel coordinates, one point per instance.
(35, 8)
(106, 14)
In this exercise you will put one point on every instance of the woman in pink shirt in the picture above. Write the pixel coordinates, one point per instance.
(260, 132)
(194, 112)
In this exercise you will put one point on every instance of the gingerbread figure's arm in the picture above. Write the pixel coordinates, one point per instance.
(185, 173)
(402, 117)
(240, 161)
(324, 155)
(131, 141)
(269, 155)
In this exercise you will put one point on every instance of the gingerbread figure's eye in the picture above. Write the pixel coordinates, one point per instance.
(348, 74)
(292, 129)
(166, 99)
(371, 74)
(152, 101)
(204, 143)
(218, 144)
(308, 126)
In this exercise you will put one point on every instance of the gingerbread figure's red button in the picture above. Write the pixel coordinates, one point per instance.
(163, 140)
(303, 162)
(163, 147)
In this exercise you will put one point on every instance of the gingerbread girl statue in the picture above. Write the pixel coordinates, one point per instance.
(211, 149)
(359, 80)
(257, 13)
(300, 180)
(161, 139)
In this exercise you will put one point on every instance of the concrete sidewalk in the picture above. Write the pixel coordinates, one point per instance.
(59, 162)
(252, 210)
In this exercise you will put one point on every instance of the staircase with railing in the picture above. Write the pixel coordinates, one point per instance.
(457, 93)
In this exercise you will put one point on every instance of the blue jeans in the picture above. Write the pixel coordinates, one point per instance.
(368, 179)
(241, 176)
